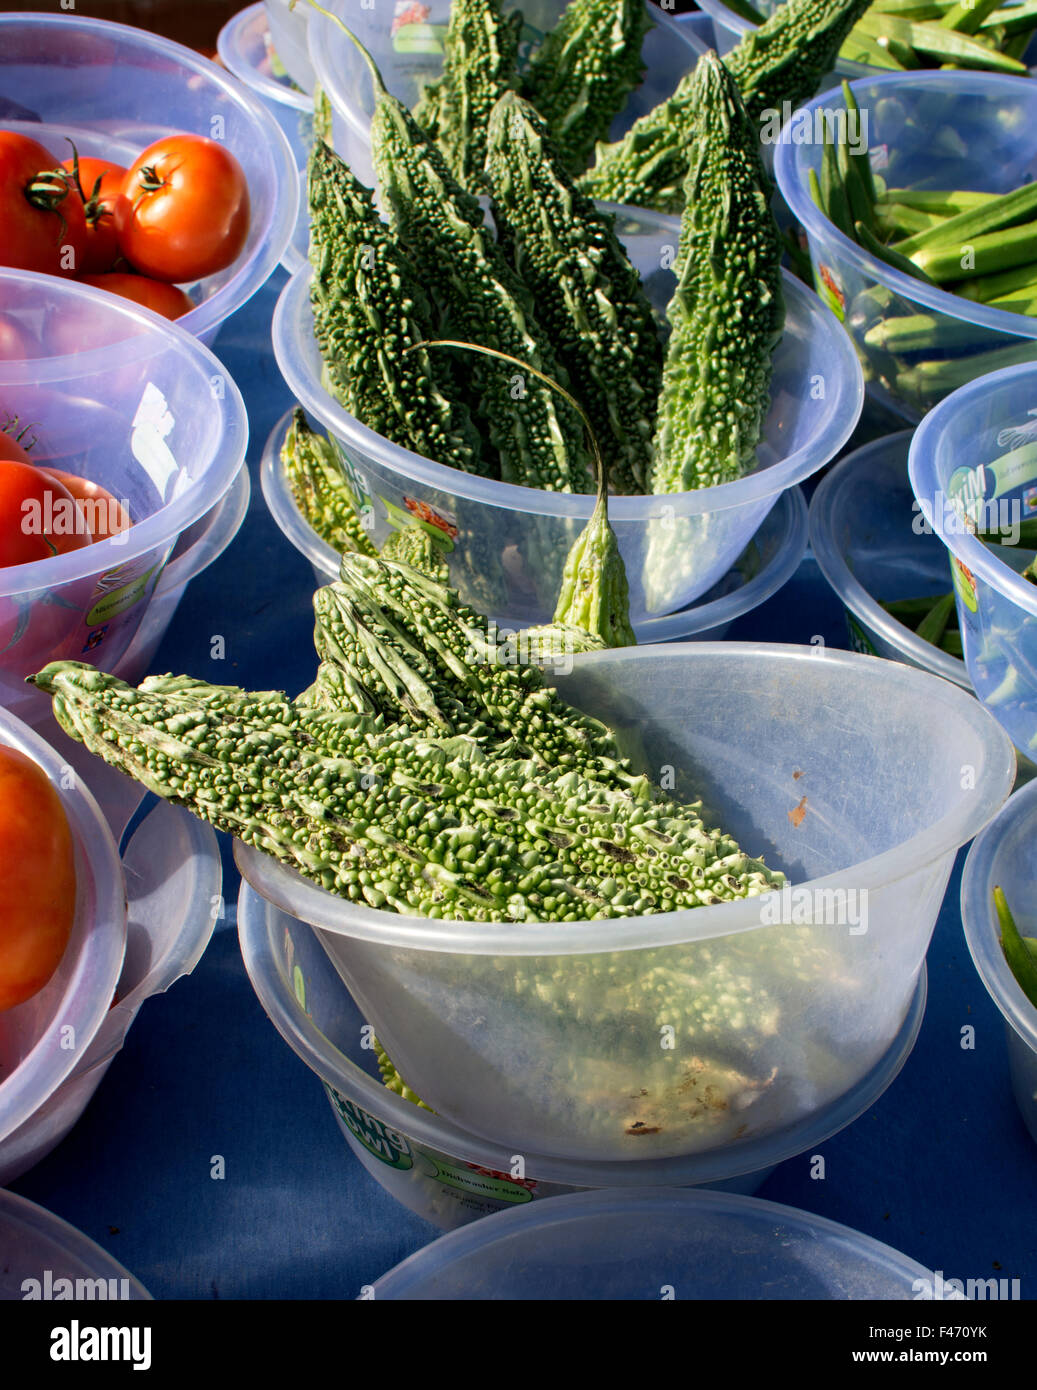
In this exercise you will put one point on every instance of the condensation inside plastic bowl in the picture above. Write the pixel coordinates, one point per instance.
(652, 1245)
(1005, 856)
(132, 402)
(132, 87)
(554, 1037)
(868, 538)
(979, 448)
(43, 1038)
(410, 55)
(435, 1168)
(511, 542)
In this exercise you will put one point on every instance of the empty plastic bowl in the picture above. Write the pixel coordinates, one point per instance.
(45, 1039)
(926, 130)
(46, 1258)
(244, 47)
(867, 536)
(288, 26)
(408, 50)
(146, 411)
(654, 1245)
(767, 562)
(685, 1032)
(434, 1167)
(511, 541)
(114, 89)
(1005, 856)
(973, 456)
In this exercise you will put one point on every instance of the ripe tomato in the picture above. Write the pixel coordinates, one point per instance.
(156, 295)
(104, 514)
(37, 870)
(183, 212)
(99, 184)
(38, 516)
(11, 448)
(44, 225)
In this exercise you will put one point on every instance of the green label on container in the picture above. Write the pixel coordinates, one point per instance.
(479, 1182)
(118, 600)
(830, 291)
(384, 1143)
(964, 584)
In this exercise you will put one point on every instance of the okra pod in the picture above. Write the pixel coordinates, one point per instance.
(920, 333)
(909, 610)
(899, 221)
(1021, 961)
(988, 287)
(833, 191)
(860, 158)
(995, 251)
(938, 202)
(950, 642)
(934, 624)
(943, 45)
(967, 15)
(933, 378)
(1014, 19)
(890, 255)
(860, 48)
(1005, 211)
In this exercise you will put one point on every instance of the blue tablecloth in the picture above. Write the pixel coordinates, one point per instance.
(940, 1168)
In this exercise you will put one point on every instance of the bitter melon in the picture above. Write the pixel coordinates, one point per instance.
(320, 488)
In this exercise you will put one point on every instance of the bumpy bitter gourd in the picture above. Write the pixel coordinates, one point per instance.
(320, 488)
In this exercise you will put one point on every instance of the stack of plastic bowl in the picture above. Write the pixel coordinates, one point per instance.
(45, 1040)
(113, 90)
(935, 130)
(408, 53)
(134, 403)
(446, 1174)
(686, 1246)
(973, 461)
(1005, 856)
(244, 47)
(510, 542)
(603, 1040)
(288, 26)
(46, 1258)
(768, 561)
(868, 536)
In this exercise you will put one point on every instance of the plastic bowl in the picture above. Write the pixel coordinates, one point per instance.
(289, 37)
(173, 878)
(146, 411)
(1005, 856)
(44, 1040)
(933, 130)
(440, 1171)
(767, 562)
(730, 28)
(669, 51)
(511, 541)
(39, 1247)
(867, 537)
(91, 80)
(244, 47)
(601, 1039)
(976, 444)
(655, 1245)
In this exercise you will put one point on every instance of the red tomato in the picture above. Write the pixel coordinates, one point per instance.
(100, 182)
(38, 515)
(44, 225)
(37, 870)
(11, 448)
(105, 515)
(16, 343)
(183, 212)
(164, 299)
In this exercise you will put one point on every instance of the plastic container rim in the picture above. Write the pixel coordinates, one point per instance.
(844, 582)
(795, 192)
(228, 45)
(922, 471)
(297, 896)
(844, 409)
(30, 1216)
(978, 918)
(180, 512)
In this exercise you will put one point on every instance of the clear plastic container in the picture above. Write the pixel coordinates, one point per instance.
(91, 80)
(675, 546)
(867, 537)
(601, 1039)
(767, 562)
(926, 130)
(409, 54)
(977, 445)
(44, 1039)
(244, 46)
(730, 28)
(654, 1246)
(146, 411)
(1005, 856)
(39, 1247)
(437, 1169)
(173, 880)
(288, 27)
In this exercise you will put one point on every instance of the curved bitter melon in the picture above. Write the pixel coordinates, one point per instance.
(581, 75)
(587, 294)
(320, 489)
(368, 309)
(727, 312)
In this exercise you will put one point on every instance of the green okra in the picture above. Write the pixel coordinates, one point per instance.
(950, 642)
(861, 48)
(996, 251)
(967, 15)
(889, 255)
(1021, 960)
(944, 45)
(920, 332)
(934, 624)
(1015, 20)
(988, 287)
(941, 203)
(910, 611)
(938, 377)
(833, 191)
(1005, 211)
(897, 220)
